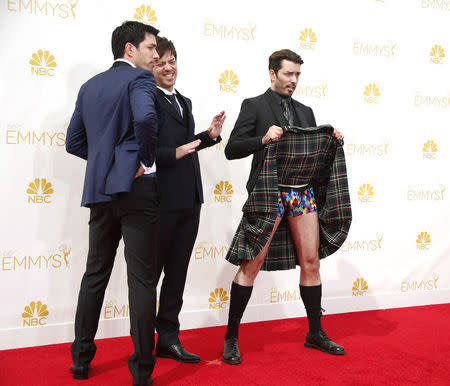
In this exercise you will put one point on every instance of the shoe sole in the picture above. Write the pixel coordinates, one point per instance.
(227, 361)
(176, 359)
(80, 377)
(311, 345)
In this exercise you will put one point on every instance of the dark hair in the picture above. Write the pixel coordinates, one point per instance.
(163, 45)
(278, 56)
(129, 32)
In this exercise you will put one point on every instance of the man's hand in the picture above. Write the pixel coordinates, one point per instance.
(140, 172)
(338, 135)
(186, 149)
(273, 134)
(216, 125)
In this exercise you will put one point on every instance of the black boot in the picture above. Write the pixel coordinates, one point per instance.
(316, 337)
(240, 295)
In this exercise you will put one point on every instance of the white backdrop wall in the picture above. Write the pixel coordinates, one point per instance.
(376, 69)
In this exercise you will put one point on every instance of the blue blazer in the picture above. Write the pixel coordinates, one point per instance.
(113, 127)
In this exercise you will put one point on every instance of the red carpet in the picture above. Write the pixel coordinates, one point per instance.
(389, 347)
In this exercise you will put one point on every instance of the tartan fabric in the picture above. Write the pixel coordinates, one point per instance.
(319, 161)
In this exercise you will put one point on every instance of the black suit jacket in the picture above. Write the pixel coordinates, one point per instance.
(180, 180)
(256, 116)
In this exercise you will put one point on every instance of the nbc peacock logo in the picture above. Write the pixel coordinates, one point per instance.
(40, 191)
(429, 150)
(228, 81)
(437, 54)
(423, 241)
(371, 93)
(223, 192)
(365, 193)
(218, 299)
(360, 287)
(307, 39)
(42, 63)
(145, 14)
(35, 314)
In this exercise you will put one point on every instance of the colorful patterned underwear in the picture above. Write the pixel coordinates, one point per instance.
(296, 201)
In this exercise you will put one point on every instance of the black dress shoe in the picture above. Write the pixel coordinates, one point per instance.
(231, 353)
(177, 352)
(148, 383)
(320, 341)
(79, 372)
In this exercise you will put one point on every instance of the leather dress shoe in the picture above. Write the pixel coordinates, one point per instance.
(178, 353)
(148, 383)
(79, 372)
(231, 353)
(320, 341)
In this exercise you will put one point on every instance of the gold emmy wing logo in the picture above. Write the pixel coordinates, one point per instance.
(430, 150)
(371, 93)
(35, 314)
(228, 81)
(437, 54)
(360, 287)
(365, 193)
(218, 299)
(145, 14)
(307, 39)
(42, 63)
(423, 241)
(40, 191)
(223, 192)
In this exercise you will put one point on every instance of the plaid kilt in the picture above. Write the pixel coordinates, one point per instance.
(320, 162)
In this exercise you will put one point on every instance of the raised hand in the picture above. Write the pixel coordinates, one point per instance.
(216, 125)
(187, 148)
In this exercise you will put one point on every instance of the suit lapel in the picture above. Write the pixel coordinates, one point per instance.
(300, 111)
(168, 106)
(187, 113)
(274, 106)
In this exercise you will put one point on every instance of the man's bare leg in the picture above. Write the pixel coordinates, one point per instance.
(305, 233)
(241, 290)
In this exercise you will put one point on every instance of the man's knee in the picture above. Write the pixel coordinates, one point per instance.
(310, 262)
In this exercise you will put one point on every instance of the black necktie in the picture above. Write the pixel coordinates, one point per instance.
(173, 100)
(287, 113)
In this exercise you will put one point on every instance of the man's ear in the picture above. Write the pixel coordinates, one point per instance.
(272, 75)
(129, 49)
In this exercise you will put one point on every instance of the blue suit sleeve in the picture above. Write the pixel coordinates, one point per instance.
(76, 138)
(145, 122)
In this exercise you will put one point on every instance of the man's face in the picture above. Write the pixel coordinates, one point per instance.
(145, 54)
(165, 71)
(284, 82)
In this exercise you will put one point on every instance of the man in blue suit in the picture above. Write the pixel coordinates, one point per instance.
(114, 128)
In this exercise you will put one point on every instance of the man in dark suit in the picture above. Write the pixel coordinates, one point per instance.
(180, 185)
(114, 128)
(258, 123)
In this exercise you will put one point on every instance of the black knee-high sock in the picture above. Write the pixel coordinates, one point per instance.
(240, 295)
(312, 297)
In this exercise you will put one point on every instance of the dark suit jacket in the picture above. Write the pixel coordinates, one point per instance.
(114, 125)
(256, 116)
(180, 180)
